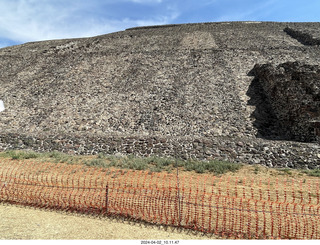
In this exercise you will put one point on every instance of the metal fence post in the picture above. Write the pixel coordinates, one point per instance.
(178, 190)
(106, 204)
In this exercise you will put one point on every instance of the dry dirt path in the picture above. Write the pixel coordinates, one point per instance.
(26, 223)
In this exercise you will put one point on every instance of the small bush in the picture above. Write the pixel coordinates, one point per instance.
(101, 156)
(54, 154)
(30, 155)
(221, 167)
(217, 167)
(137, 164)
(190, 165)
(286, 171)
(313, 173)
(96, 162)
(60, 157)
(156, 169)
(16, 155)
(162, 162)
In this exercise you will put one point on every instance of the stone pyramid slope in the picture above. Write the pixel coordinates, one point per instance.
(180, 90)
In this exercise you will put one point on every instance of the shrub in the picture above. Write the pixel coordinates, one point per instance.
(314, 172)
(96, 162)
(216, 167)
(15, 155)
(61, 157)
(286, 171)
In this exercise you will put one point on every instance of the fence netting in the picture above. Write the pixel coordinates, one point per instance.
(229, 206)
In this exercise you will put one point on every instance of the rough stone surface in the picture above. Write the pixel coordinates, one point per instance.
(306, 36)
(179, 90)
(293, 91)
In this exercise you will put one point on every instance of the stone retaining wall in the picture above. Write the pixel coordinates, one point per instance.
(269, 153)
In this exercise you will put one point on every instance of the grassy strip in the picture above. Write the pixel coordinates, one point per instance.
(153, 164)
(17, 155)
(50, 156)
(309, 172)
(313, 172)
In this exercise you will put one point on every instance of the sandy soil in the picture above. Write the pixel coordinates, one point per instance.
(17, 222)
(29, 224)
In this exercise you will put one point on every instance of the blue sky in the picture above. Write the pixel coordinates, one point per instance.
(34, 20)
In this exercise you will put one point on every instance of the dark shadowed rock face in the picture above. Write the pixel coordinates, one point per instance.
(293, 91)
(306, 37)
(182, 90)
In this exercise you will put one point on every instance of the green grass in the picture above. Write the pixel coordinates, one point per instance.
(17, 155)
(59, 157)
(256, 169)
(155, 164)
(216, 167)
(313, 172)
(152, 164)
(49, 156)
(285, 171)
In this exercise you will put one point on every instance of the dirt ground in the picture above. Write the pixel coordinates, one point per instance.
(27, 223)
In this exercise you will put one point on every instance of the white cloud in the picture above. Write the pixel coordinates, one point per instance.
(27, 20)
(34, 20)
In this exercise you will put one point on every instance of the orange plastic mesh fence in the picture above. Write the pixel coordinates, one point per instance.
(227, 206)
